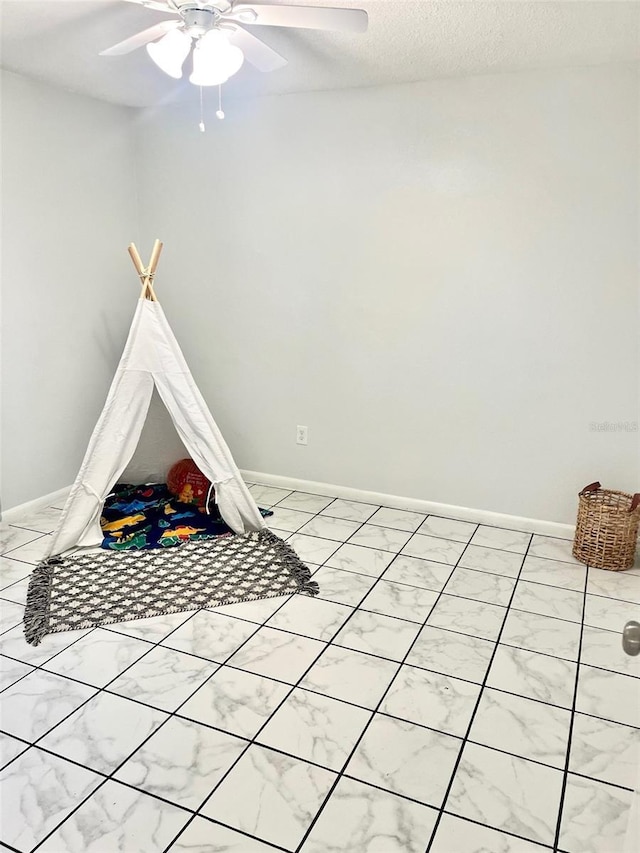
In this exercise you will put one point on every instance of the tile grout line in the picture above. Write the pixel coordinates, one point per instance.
(110, 627)
(95, 627)
(416, 532)
(474, 712)
(325, 564)
(381, 700)
(565, 775)
(98, 690)
(355, 609)
(259, 625)
(500, 831)
(494, 574)
(444, 539)
(24, 544)
(280, 681)
(169, 715)
(160, 643)
(332, 500)
(221, 823)
(111, 692)
(416, 512)
(103, 689)
(210, 726)
(201, 722)
(319, 514)
(295, 686)
(264, 624)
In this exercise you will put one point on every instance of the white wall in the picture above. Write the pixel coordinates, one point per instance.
(68, 212)
(439, 279)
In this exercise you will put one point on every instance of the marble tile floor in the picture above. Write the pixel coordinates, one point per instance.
(454, 688)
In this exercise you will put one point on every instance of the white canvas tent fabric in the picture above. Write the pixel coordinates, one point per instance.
(151, 357)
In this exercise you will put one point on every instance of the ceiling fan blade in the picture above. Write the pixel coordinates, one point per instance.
(140, 39)
(259, 54)
(304, 17)
(158, 5)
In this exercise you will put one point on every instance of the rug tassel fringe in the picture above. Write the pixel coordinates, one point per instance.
(293, 563)
(36, 612)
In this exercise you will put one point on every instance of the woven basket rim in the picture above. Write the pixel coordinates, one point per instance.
(596, 492)
(600, 499)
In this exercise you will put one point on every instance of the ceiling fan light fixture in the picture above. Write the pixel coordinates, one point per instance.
(170, 52)
(215, 60)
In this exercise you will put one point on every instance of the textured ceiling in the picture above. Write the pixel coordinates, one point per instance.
(58, 41)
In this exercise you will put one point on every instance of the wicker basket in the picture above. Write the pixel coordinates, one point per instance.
(607, 528)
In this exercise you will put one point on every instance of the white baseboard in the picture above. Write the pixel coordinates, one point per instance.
(461, 513)
(15, 513)
(479, 516)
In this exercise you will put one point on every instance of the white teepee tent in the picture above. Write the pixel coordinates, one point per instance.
(151, 358)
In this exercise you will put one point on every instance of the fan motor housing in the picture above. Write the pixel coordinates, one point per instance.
(215, 8)
(198, 20)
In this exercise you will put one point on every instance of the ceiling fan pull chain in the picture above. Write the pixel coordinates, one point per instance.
(201, 125)
(219, 111)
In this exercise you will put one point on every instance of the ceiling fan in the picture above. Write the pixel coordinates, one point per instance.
(216, 31)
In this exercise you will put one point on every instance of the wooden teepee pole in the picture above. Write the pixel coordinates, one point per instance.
(146, 274)
(135, 257)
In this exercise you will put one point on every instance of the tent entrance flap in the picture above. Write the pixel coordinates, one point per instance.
(158, 449)
(152, 359)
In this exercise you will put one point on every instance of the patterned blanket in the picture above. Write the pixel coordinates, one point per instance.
(149, 516)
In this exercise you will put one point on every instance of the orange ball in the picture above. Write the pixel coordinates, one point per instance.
(187, 482)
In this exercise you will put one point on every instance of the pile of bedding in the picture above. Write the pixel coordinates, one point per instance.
(149, 516)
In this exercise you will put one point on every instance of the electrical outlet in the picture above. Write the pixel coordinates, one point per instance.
(302, 434)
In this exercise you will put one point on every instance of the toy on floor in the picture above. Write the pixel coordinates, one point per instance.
(187, 482)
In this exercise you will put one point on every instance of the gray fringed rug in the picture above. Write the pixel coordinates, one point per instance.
(98, 588)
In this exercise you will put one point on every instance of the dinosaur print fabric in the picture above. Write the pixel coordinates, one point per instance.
(149, 516)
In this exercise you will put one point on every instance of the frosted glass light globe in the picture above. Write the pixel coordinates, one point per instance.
(170, 52)
(215, 60)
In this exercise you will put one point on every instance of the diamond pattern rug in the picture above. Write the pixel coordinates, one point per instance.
(102, 587)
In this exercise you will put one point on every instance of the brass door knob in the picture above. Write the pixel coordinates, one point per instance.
(631, 638)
